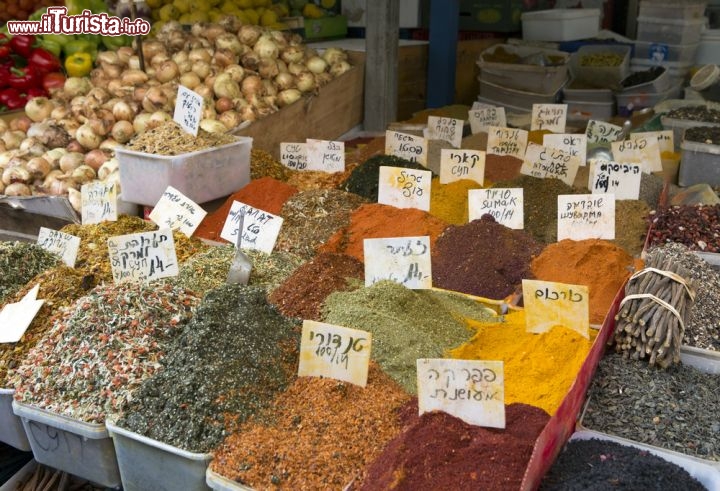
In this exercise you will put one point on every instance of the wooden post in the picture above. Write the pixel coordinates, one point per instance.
(381, 79)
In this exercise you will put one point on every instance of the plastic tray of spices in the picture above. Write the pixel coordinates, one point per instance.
(708, 475)
(699, 163)
(12, 431)
(146, 463)
(76, 447)
(218, 482)
(525, 76)
(679, 126)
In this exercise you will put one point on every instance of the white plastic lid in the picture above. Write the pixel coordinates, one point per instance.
(705, 77)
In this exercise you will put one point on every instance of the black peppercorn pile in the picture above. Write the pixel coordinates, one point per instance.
(695, 226)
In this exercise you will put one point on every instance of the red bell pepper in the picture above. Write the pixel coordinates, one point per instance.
(43, 61)
(5, 49)
(36, 92)
(24, 78)
(12, 99)
(4, 76)
(52, 81)
(22, 45)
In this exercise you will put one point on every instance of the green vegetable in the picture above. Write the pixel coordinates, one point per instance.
(112, 43)
(80, 46)
(52, 46)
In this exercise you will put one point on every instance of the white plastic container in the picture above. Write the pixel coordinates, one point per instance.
(709, 48)
(13, 484)
(678, 71)
(12, 431)
(573, 93)
(222, 483)
(627, 102)
(706, 361)
(707, 82)
(600, 76)
(525, 76)
(699, 163)
(509, 108)
(585, 110)
(83, 449)
(680, 125)
(560, 24)
(518, 98)
(683, 53)
(672, 10)
(661, 83)
(202, 176)
(669, 31)
(149, 464)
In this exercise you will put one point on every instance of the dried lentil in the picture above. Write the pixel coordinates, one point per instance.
(319, 434)
(228, 363)
(311, 217)
(405, 324)
(19, 262)
(100, 350)
(170, 139)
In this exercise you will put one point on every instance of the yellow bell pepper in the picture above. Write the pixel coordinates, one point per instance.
(78, 64)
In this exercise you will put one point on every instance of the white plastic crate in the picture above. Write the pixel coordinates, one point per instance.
(699, 163)
(679, 126)
(661, 83)
(669, 31)
(627, 102)
(601, 76)
(672, 10)
(682, 53)
(518, 98)
(585, 110)
(560, 24)
(12, 431)
(525, 76)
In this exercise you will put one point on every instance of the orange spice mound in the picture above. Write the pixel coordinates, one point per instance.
(375, 221)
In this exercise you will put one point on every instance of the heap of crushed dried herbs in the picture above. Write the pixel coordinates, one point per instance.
(311, 217)
(231, 359)
(19, 262)
(205, 270)
(170, 139)
(262, 164)
(270, 270)
(59, 287)
(101, 349)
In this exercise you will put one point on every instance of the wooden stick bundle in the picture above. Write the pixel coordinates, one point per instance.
(651, 320)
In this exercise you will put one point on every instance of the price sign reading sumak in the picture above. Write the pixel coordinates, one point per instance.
(447, 129)
(404, 188)
(325, 156)
(586, 216)
(143, 256)
(665, 139)
(404, 260)
(461, 164)
(575, 145)
(188, 110)
(504, 204)
(482, 119)
(176, 211)
(644, 151)
(98, 203)
(506, 141)
(602, 132)
(551, 117)
(261, 228)
(64, 245)
(545, 162)
(335, 352)
(548, 304)
(622, 180)
(471, 390)
(410, 147)
(294, 155)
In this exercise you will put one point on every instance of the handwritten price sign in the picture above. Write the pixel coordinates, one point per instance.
(461, 164)
(665, 139)
(551, 117)
(602, 132)
(644, 151)
(622, 180)
(325, 156)
(483, 118)
(409, 147)
(549, 304)
(507, 141)
(473, 391)
(586, 216)
(575, 145)
(176, 211)
(447, 129)
(335, 352)
(404, 260)
(98, 203)
(504, 204)
(64, 245)
(188, 110)
(544, 162)
(143, 257)
(294, 155)
(404, 188)
(260, 228)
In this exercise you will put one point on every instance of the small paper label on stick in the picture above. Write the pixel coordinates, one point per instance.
(544, 162)
(575, 145)
(143, 256)
(622, 180)
(665, 139)
(644, 151)
(548, 304)
(404, 260)
(447, 129)
(188, 110)
(176, 211)
(409, 147)
(16, 317)
(504, 204)
(261, 228)
(98, 203)
(586, 216)
(507, 141)
(461, 164)
(294, 155)
(602, 132)
(550, 117)
(325, 156)
(335, 352)
(471, 390)
(404, 188)
(481, 119)
(64, 245)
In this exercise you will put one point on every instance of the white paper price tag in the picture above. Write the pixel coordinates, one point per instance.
(16, 317)
(471, 390)
(586, 216)
(665, 139)
(622, 180)
(575, 145)
(325, 156)
(447, 129)
(261, 228)
(602, 132)
(294, 155)
(404, 188)
(548, 304)
(188, 110)
(481, 119)
(404, 260)
(644, 151)
(409, 147)
(507, 141)
(504, 204)
(64, 245)
(461, 164)
(143, 256)
(551, 117)
(334, 352)
(98, 203)
(545, 162)
(176, 211)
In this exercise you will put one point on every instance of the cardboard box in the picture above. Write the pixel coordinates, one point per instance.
(332, 112)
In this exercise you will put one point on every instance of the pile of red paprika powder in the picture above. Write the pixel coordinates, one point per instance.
(26, 71)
